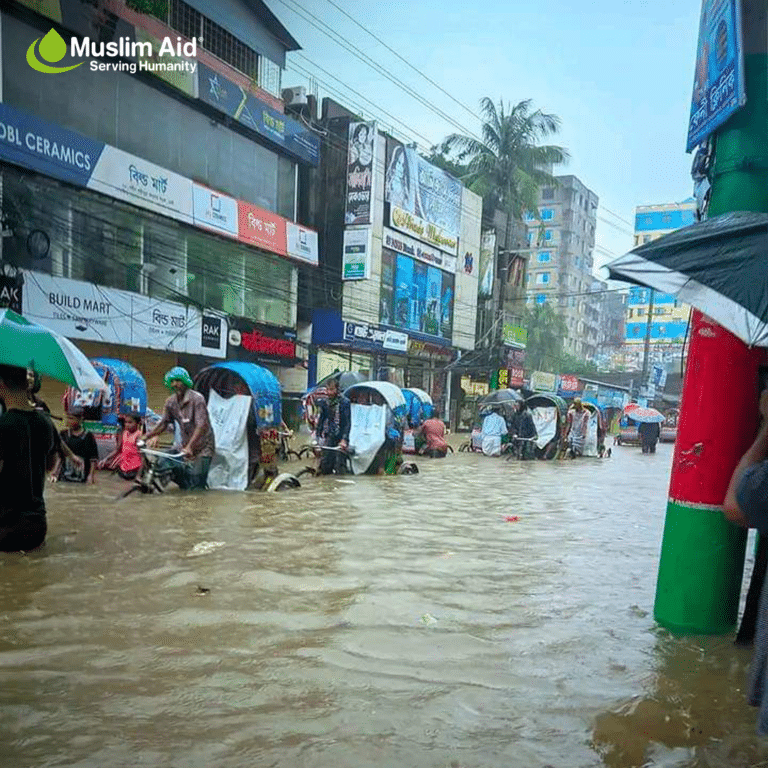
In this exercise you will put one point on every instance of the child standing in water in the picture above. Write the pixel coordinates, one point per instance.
(126, 458)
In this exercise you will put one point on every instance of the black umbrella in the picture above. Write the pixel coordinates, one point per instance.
(500, 396)
(346, 379)
(718, 266)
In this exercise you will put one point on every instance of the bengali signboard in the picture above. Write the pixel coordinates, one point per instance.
(127, 177)
(248, 341)
(567, 386)
(516, 376)
(261, 228)
(543, 382)
(356, 255)
(361, 171)
(231, 99)
(393, 341)
(514, 335)
(718, 85)
(425, 201)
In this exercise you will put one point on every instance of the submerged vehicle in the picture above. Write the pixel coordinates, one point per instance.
(378, 419)
(247, 431)
(419, 408)
(549, 413)
(504, 402)
(102, 409)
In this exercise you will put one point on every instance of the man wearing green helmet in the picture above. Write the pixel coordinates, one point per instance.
(188, 410)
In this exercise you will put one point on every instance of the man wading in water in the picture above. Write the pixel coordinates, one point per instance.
(333, 429)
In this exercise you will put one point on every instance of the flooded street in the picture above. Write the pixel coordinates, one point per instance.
(368, 622)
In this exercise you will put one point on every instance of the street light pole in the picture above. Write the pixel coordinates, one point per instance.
(647, 345)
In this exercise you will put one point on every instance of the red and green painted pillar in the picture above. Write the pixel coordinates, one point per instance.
(702, 555)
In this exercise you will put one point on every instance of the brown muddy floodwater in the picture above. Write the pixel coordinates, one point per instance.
(370, 622)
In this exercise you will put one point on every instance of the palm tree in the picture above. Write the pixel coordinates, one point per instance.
(546, 331)
(509, 165)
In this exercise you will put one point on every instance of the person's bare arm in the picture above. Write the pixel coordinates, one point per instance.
(756, 453)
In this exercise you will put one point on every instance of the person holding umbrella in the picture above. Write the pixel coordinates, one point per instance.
(27, 452)
(649, 433)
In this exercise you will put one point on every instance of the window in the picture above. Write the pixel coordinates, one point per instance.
(215, 39)
(547, 234)
(548, 193)
(542, 278)
(547, 214)
(541, 298)
(544, 256)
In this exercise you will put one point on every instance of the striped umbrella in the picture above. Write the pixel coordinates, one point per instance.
(643, 414)
(25, 344)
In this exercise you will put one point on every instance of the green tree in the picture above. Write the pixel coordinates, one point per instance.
(546, 331)
(575, 365)
(510, 164)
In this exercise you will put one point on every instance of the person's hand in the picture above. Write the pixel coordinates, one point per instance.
(764, 405)
(186, 452)
(343, 445)
(78, 461)
(53, 478)
(92, 479)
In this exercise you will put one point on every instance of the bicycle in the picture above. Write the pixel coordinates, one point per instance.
(516, 447)
(317, 451)
(284, 451)
(156, 470)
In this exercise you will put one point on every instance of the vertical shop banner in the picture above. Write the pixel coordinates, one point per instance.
(213, 210)
(487, 263)
(361, 173)
(302, 243)
(718, 85)
(356, 256)
(261, 228)
(516, 377)
(567, 386)
(127, 177)
(12, 292)
(425, 201)
(207, 333)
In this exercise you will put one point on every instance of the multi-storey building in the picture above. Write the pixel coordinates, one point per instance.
(149, 193)
(668, 323)
(562, 240)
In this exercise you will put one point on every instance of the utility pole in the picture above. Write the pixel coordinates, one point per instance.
(647, 345)
(702, 555)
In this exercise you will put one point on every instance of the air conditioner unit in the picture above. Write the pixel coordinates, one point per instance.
(296, 96)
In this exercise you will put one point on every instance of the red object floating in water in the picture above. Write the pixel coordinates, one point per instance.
(512, 518)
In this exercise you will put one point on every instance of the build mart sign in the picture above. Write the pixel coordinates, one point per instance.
(80, 310)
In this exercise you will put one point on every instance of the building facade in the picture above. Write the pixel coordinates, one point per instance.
(666, 323)
(151, 204)
(560, 264)
(401, 259)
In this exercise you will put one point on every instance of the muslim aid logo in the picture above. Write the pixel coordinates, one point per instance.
(52, 48)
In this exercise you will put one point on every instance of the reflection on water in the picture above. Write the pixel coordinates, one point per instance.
(383, 622)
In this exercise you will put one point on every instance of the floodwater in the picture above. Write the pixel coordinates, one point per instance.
(379, 621)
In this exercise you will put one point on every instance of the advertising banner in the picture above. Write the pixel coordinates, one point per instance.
(543, 382)
(425, 201)
(212, 210)
(11, 292)
(356, 256)
(421, 296)
(127, 177)
(161, 324)
(207, 333)
(718, 85)
(361, 172)
(41, 146)
(487, 263)
(264, 229)
(248, 341)
(77, 310)
(232, 100)
(516, 377)
(514, 335)
(412, 247)
(302, 243)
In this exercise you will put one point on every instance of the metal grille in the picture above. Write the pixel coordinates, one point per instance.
(216, 40)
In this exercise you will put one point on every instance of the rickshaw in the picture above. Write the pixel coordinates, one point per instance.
(102, 409)
(504, 402)
(419, 408)
(669, 427)
(261, 422)
(378, 418)
(549, 413)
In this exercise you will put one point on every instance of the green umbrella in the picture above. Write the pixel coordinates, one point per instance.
(28, 345)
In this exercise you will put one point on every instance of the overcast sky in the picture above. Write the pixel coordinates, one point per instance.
(619, 74)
